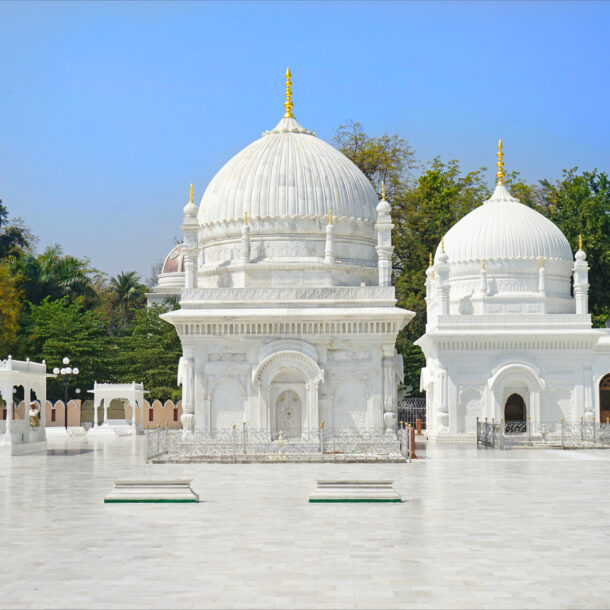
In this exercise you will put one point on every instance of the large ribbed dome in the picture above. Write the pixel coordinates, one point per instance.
(288, 172)
(504, 228)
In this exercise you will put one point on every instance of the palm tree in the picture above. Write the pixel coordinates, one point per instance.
(129, 292)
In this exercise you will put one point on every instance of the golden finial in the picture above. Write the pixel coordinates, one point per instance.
(330, 217)
(288, 103)
(443, 245)
(191, 195)
(431, 262)
(246, 217)
(542, 262)
(580, 242)
(483, 264)
(500, 174)
(383, 190)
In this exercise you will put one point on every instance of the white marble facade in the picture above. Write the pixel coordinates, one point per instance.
(509, 334)
(287, 317)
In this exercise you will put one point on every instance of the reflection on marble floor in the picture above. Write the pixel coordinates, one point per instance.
(522, 528)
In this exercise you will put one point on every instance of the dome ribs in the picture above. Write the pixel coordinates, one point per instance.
(288, 172)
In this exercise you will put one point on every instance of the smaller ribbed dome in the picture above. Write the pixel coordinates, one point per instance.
(174, 261)
(504, 228)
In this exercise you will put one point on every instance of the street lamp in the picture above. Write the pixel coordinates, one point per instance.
(66, 373)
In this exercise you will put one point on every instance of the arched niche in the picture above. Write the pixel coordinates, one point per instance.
(288, 369)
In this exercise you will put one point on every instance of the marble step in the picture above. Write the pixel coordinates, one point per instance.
(354, 491)
(151, 491)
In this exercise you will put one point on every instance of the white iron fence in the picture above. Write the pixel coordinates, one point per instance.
(561, 434)
(246, 445)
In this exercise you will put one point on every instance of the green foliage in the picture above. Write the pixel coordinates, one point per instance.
(387, 159)
(129, 292)
(10, 307)
(150, 354)
(14, 236)
(55, 275)
(422, 213)
(579, 204)
(60, 328)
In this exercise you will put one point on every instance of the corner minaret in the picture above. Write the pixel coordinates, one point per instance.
(384, 247)
(190, 226)
(580, 278)
(442, 284)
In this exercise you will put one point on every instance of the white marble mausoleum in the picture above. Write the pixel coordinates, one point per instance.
(508, 332)
(287, 316)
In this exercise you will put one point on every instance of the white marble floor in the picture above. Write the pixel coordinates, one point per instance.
(513, 529)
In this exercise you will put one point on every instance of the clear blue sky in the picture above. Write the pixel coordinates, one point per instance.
(109, 110)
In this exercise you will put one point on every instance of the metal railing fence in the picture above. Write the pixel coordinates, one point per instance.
(411, 409)
(560, 434)
(245, 445)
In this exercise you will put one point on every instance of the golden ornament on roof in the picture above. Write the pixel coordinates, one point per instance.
(500, 174)
(288, 105)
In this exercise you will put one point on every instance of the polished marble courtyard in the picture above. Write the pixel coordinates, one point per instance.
(479, 529)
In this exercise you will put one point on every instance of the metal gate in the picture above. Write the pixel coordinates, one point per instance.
(412, 409)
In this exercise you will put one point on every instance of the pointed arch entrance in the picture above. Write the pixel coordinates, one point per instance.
(515, 414)
(604, 399)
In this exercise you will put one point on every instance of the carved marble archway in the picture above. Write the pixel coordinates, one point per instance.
(280, 360)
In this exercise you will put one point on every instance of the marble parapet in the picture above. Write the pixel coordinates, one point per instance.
(296, 296)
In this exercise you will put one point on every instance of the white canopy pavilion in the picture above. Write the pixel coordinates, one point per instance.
(106, 392)
(18, 437)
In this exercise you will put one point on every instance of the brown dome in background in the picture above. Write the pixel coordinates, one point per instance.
(174, 262)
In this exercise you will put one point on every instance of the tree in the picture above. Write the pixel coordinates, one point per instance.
(15, 237)
(422, 214)
(55, 275)
(129, 293)
(387, 159)
(150, 354)
(11, 297)
(579, 204)
(58, 328)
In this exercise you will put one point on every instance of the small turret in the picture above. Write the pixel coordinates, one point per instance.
(190, 226)
(580, 278)
(384, 248)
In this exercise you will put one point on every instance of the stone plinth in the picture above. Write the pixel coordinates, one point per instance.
(355, 491)
(146, 490)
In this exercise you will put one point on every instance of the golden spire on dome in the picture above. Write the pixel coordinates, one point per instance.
(580, 242)
(431, 262)
(191, 195)
(483, 264)
(330, 217)
(383, 190)
(443, 245)
(288, 103)
(245, 217)
(542, 262)
(500, 174)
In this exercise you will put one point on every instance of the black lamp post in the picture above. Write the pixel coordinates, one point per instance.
(66, 373)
